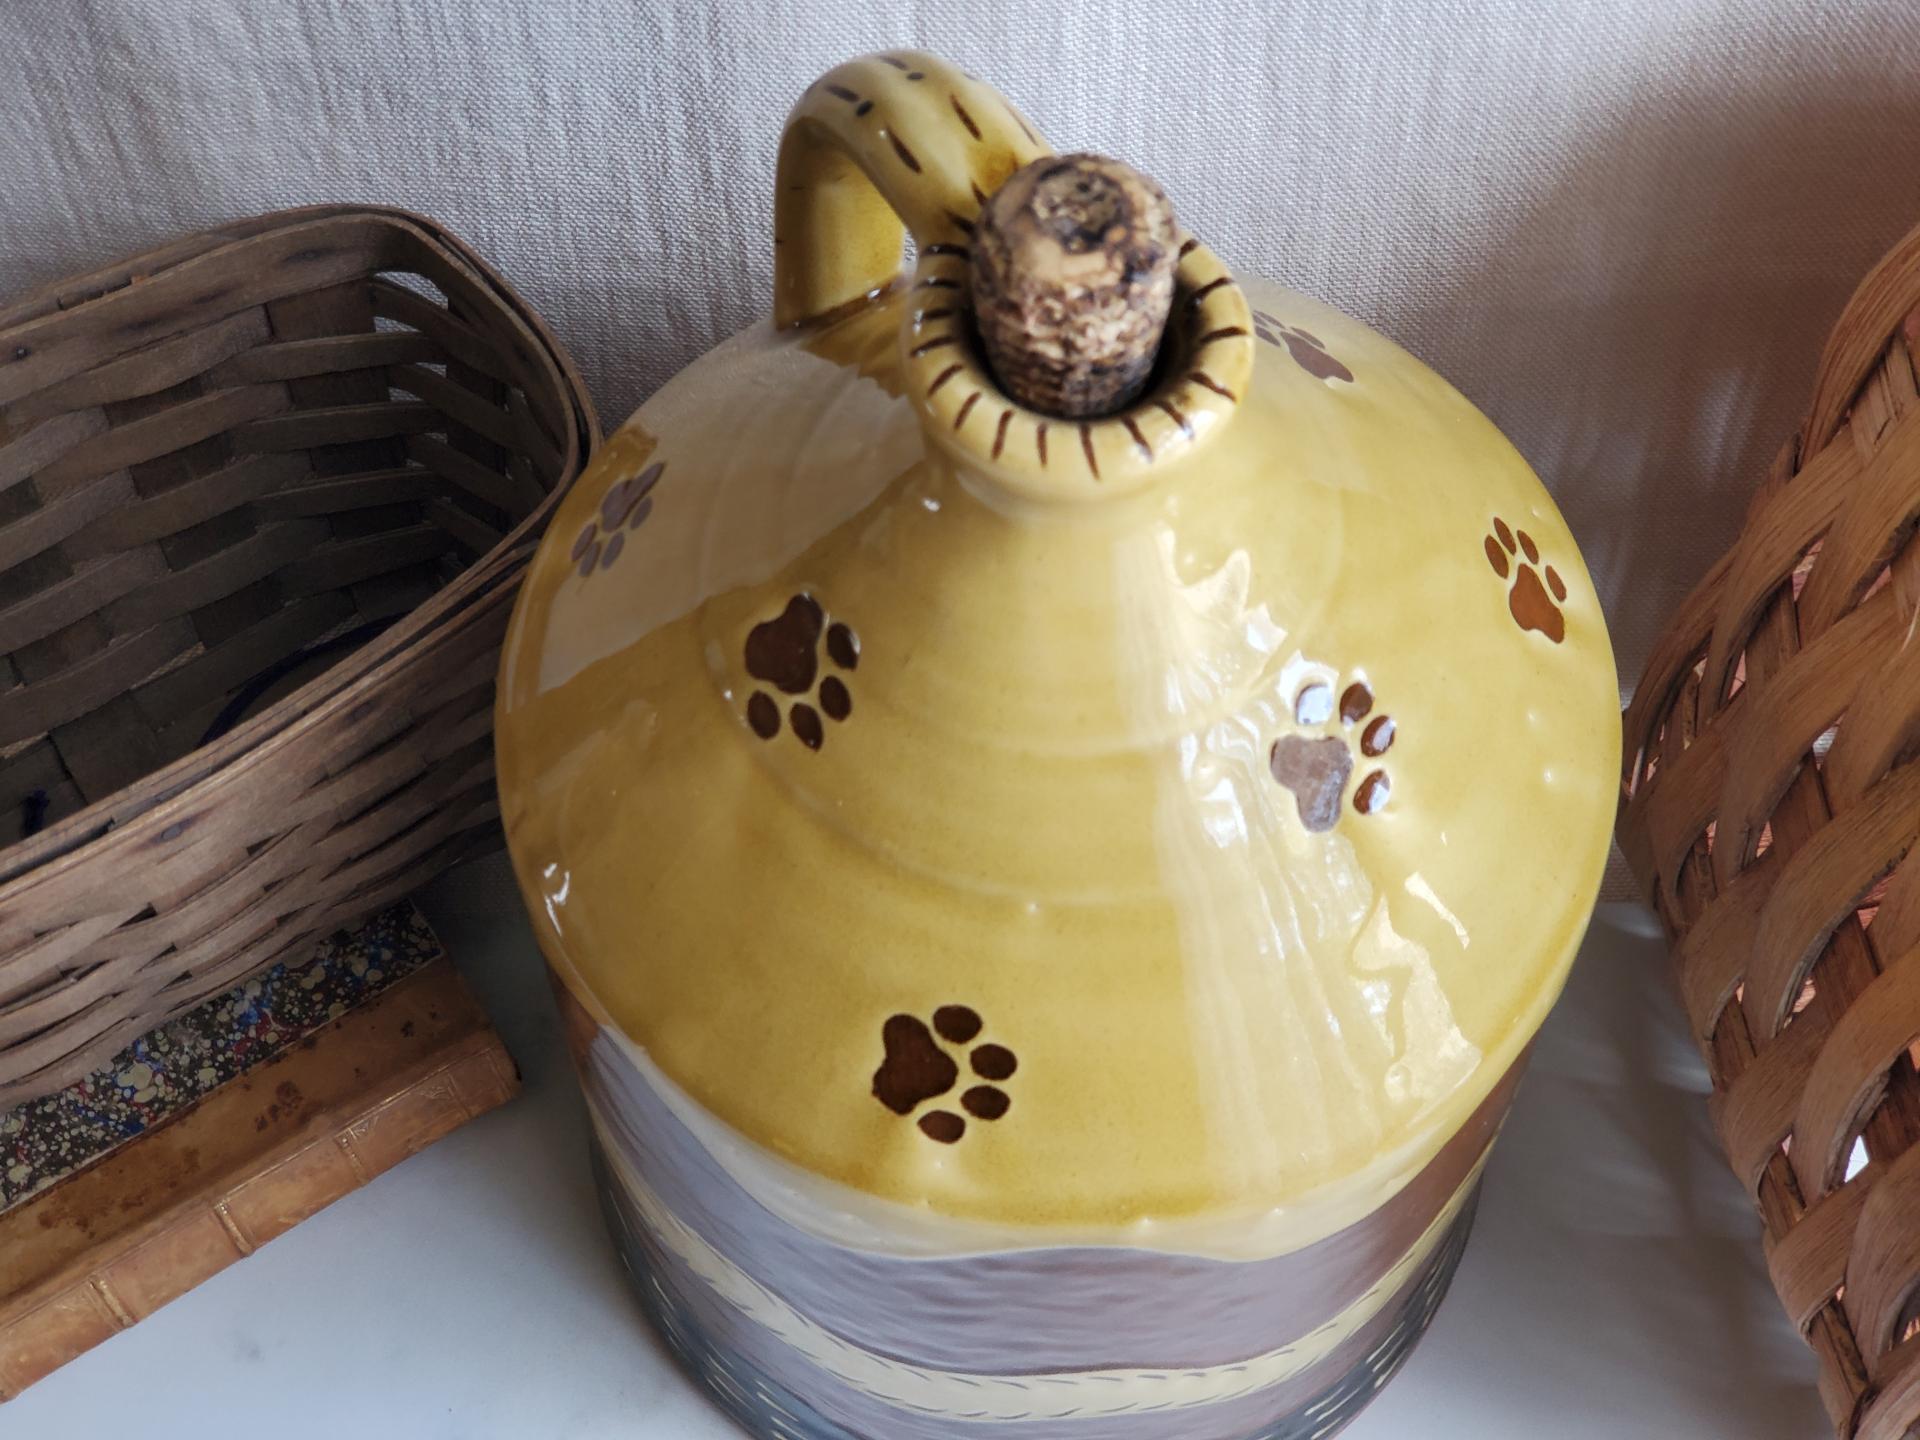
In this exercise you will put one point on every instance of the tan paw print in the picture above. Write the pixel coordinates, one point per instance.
(1307, 349)
(623, 509)
(1315, 769)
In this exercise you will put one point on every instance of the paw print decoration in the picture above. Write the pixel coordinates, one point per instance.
(1315, 769)
(624, 508)
(917, 1068)
(1533, 607)
(784, 652)
(1307, 350)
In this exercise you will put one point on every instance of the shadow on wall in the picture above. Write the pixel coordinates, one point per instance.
(1671, 298)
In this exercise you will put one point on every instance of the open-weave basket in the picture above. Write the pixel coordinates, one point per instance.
(1771, 808)
(265, 496)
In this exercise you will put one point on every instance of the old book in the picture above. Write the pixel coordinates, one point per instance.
(107, 1221)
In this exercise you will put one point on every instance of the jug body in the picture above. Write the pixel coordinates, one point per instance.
(1049, 914)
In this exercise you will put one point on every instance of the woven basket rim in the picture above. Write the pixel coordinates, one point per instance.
(183, 783)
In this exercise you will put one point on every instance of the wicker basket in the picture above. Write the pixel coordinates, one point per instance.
(1770, 810)
(265, 496)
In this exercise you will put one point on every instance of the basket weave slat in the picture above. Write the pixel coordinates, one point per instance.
(265, 496)
(420, 827)
(1771, 810)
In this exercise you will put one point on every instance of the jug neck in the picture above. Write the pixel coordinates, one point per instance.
(1203, 371)
(903, 141)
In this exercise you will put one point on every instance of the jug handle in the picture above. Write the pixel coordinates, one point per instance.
(877, 147)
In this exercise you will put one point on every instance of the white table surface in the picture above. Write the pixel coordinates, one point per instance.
(1613, 1289)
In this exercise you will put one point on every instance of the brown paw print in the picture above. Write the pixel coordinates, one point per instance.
(785, 653)
(1316, 769)
(1533, 608)
(1307, 350)
(624, 507)
(917, 1068)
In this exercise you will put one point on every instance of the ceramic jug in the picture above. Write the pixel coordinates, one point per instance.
(1049, 913)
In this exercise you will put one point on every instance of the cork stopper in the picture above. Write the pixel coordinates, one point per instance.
(1072, 271)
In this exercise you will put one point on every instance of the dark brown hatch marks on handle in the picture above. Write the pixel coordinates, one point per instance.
(784, 653)
(1086, 446)
(1207, 289)
(907, 157)
(916, 1067)
(1532, 607)
(965, 119)
(1316, 768)
(1225, 332)
(1175, 414)
(1309, 352)
(624, 508)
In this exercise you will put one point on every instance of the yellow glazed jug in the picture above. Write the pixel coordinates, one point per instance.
(1049, 913)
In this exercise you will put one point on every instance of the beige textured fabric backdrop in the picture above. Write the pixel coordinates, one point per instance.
(1622, 227)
